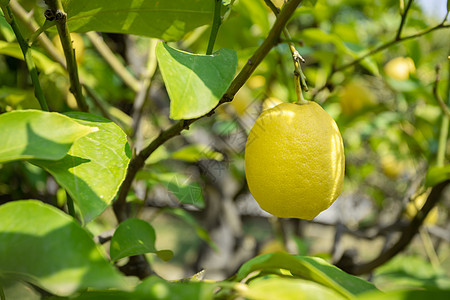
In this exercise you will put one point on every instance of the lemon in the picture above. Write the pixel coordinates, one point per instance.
(77, 44)
(294, 160)
(414, 206)
(354, 97)
(400, 68)
(391, 167)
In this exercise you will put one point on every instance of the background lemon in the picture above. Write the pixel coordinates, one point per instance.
(400, 67)
(294, 160)
(354, 97)
(414, 206)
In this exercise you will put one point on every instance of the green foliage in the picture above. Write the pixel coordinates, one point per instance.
(35, 247)
(167, 20)
(33, 134)
(195, 83)
(134, 237)
(95, 166)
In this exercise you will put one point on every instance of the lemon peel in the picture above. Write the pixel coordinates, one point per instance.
(294, 160)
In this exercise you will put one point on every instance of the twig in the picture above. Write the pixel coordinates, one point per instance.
(215, 26)
(441, 102)
(138, 161)
(45, 42)
(64, 34)
(406, 237)
(129, 79)
(299, 77)
(443, 135)
(389, 44)
(402, 22)
(26, 50)
(144, 89)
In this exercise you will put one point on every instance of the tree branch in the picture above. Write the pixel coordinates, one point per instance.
(64, 34)
(26, 50)
(406, 237)
(402, 22)
(138, 161)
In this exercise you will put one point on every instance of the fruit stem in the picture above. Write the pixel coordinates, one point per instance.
(64, 35)
(299, 77)
(26, 50)
(215, 26)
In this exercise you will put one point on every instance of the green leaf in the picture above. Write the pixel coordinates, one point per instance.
(288, 289)
(134, 237)
(195, 83)
(167, 20)
(194, 153)
(42, 245)
(43, 63)
(180, 186)
(157, 288)
(95, 166)
(189, 219)
(35, 134)
(4, 2)
(437, 175)
(312, 268)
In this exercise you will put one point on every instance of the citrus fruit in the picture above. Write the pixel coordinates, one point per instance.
(294, 160)
(400, 68)
(414, 206)
(77, 44)
(354, 97)
(391, 167)
(270, 102)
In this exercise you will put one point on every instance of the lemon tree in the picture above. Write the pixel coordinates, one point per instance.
(294, 160)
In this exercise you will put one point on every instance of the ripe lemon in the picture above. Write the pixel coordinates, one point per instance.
(294, 160)
(400, 68)
(414, 206)
(354, 97)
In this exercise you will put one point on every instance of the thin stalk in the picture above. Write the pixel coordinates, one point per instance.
(429, 248)
(26, 50)
(215, 26)
(69, 52)
(299, 76)
(402, 22)
(112, 60)
(443, 136)
(37, 33)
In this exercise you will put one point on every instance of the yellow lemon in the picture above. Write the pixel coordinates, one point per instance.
(391, 167)
(400, 68)
(270, 102)
(355, 96)
(294, 160)
(414, 206)
(77, 44)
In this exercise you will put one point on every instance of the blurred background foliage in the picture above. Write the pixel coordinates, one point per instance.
(193, 190)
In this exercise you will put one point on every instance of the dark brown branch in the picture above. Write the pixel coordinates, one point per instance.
(402, 22)
(405, 238)
(138, 162)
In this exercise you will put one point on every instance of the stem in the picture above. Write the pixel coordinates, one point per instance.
(215, 26)
(64, 35)
(429, 249)
(31, 24)
(299, 77)
(138, 161)
(389, 44)
(443, 136)
(113, 62)
(26, 50)
(35, 35)
(402, 22)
